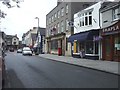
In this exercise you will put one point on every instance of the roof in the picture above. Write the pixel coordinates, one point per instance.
(108, 5)
(9, 36)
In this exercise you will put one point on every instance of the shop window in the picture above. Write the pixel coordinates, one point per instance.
(89, 48)
(92, 47)
(54, 45)
(117, 46)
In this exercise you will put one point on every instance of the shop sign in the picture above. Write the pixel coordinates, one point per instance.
(113, 28)
(97, 38)
(110, 29)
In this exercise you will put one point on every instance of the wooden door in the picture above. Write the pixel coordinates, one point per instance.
(108, 48)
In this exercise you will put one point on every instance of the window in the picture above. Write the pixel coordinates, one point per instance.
(14, 39)
(58, 27)
(54, 45)
(55, 16)
(66, 8)
(58, 14)
(92, 47)
(89, 48)
(52, 31)
(85, 19)
(117, 45)
(90, 18)
(66, 25)
(52, 18)
(49, 20)
(14, 43)
(62, 26)
(115, 12)
(62, 12)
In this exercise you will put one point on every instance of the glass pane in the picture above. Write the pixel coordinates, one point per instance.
(89, 47)
(107, 44)
(86, 20)
(90, 20)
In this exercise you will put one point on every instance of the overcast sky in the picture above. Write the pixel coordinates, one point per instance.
(20, 20)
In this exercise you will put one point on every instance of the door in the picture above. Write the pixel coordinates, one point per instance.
(108, 48)
(116, 48)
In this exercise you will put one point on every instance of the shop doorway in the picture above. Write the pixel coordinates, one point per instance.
(108, 48)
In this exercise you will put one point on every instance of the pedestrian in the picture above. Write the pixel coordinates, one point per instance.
(82, 53)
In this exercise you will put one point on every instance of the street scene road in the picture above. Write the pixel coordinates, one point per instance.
(36, 72)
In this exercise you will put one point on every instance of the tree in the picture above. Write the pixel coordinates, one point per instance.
(9, 4)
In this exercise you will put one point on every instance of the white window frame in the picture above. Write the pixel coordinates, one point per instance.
(62, 11)
(66, 8)
(114, 13)
(83, 21)
(58, 14)
(52, 18)
(55, 16)
(58, 27)
(49, 20)
(62, 26)
(66, 24)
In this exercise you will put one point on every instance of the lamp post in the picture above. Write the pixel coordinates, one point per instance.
(38, 41)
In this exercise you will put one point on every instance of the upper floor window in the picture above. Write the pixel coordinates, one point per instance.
(49, 20)
(55, 16)
(58, 14)
(115, 12)
(66, 8)
(62, 26)
(14, 43)
(58, 27)
(14, 39)
(62, 12)
(52, 18)
(85, 19)
(66, 25)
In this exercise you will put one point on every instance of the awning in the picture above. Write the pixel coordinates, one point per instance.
(83, 36)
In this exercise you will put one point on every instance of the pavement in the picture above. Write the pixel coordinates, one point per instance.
(105, 66)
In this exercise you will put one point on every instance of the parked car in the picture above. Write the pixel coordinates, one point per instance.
(11, 50)
(19, 51)
(27, 51)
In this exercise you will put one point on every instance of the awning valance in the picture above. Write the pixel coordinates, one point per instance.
(83, 36)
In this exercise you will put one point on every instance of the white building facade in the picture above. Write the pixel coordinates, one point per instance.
(86, 32)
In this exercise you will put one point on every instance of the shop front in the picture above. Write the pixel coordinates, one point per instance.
(111, 42)
(56, 44)
(85, 41)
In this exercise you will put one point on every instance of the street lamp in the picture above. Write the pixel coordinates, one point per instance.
(38, 41)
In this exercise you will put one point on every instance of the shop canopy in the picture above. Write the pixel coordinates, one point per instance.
(83, 36)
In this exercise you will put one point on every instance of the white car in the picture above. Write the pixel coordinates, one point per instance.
(27, 51)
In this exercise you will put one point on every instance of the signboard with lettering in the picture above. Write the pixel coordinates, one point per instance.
(115, 28)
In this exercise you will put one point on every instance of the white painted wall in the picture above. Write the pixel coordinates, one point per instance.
(28, 38)
(95, 16)
(14, 39)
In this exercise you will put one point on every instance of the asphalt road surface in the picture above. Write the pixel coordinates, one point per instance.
(37, 72)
